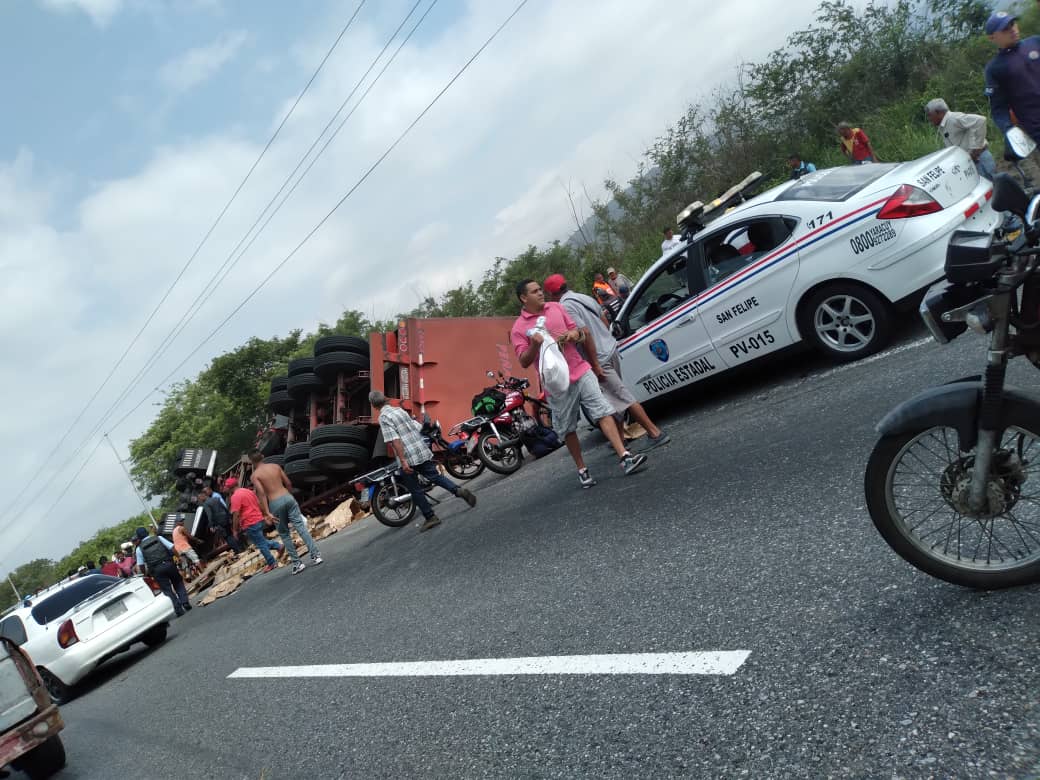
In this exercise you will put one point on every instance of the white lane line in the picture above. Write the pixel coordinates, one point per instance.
(721, 662)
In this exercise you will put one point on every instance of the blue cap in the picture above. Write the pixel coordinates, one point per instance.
(999, 20)
(141, 532)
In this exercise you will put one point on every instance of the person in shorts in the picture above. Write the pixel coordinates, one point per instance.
(600, 349)
(182, 541)
(537, 318)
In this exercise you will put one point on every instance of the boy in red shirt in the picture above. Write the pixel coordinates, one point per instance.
(855, 145)
(246, 515)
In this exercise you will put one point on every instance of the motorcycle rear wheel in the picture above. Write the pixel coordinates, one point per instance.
(501, 460)
(464, 466)
(916, 486)
(393, 516)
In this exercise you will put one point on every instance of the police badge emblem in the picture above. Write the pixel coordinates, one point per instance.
(660, 349)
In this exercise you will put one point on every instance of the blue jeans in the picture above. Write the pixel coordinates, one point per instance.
(986, 165)
(428, 470)
(288, 511)
(255, 533)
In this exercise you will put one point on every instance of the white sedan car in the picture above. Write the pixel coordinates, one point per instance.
(71, 628)
(823, 259)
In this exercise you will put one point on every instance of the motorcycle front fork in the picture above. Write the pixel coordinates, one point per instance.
(990, 408)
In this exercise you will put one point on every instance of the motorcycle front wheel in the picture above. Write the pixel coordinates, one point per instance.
(464, 466)
(501, 460)
(389, 514)
(917, 495)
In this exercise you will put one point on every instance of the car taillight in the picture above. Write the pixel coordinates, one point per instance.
(151, 583)
(908, 201)
(67, 634)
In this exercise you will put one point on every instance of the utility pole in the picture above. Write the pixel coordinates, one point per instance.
(129, 479)
(17, 595)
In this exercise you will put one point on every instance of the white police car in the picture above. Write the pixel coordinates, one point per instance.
(823, 259)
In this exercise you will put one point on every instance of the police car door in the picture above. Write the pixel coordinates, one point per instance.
(750, 268)
(664, 343)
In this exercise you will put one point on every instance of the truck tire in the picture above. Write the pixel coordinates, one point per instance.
(277, 460)
(331, 364)
(45, 760)
(341, 344)
(344, 434)
(297, 451)
(302, 385)
(338, 458)
(304, 365)
(279, 383)
(301, 471)
(280, 401)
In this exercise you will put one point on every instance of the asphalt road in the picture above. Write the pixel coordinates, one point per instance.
(747, 533)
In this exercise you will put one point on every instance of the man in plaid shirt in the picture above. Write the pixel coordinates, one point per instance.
(402, 434)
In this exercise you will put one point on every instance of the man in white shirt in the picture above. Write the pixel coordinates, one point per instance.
(670, 241)
(968, 131)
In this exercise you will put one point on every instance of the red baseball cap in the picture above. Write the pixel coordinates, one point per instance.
(554, 283)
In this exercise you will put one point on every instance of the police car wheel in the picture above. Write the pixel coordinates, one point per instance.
(846, 321)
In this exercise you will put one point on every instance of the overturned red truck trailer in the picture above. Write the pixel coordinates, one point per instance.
(322, 431)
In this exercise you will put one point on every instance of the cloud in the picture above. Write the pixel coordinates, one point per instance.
(559, 97)
(198, 65)
(100, 11)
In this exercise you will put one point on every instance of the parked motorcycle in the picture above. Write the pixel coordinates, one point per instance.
(500, 422)
(453, 455)
(390, 500)
(952, 485)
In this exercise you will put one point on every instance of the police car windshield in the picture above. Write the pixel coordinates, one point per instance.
(68, 597)
(837, 184)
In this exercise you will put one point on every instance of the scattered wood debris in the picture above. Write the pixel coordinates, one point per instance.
(225, 573)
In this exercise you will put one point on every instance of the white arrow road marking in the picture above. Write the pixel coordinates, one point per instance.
(720, 662)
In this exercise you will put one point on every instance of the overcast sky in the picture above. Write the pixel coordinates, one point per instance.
(130, 123)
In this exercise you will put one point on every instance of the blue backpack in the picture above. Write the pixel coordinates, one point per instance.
(540, 441)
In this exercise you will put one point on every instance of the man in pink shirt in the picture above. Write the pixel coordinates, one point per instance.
(526, 338)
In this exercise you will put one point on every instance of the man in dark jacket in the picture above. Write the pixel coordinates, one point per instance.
(155, 557)
(218, 519)
(1013, 76)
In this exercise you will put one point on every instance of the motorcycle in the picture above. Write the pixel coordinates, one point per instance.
(453, 455)
(498, 431)
(390, 500)
(952, 483)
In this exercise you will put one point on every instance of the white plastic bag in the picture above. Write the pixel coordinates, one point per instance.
(553, 368)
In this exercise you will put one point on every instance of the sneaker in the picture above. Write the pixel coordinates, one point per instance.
(632, 463)
(431, 522)
(315, 560)
(585, 478)
(298, 567)
(269, 567)
(187, 606)
(651, 443)
(466, 496)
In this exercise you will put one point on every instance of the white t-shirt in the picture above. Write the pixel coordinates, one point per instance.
(670, 243)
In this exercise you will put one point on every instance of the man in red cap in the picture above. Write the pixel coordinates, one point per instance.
(600, 349)
(538, 319)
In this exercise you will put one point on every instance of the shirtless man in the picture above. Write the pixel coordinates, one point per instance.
(278, 505)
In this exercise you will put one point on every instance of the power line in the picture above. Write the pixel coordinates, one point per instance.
(180, 275)
(313, 230)
(332, 211)
(231, 261)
